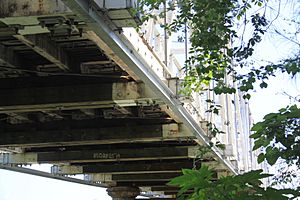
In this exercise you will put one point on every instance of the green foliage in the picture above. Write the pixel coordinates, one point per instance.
(289, 66)
(213, 130)
(214, 42)
(245, 186)
(279, 134)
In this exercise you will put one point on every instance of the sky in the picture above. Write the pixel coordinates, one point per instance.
(17, 186)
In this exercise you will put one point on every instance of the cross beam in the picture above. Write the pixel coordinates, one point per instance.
(102, 155)
(84, 136)
(45, 47)
(65, 97)
(159, 166)
(104, 178)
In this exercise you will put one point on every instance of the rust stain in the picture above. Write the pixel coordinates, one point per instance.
(25, 6)
(12, 7)
(41, 6)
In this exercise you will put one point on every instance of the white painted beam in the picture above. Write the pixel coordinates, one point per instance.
(18, 158)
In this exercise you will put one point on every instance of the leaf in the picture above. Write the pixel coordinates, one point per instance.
(255, 135)
(192, 179)
(247, 96)
(263, 85)
(294, 114)
(270, 116)
(272, 156)
(258, 143)
(260, 158)
(257, 127)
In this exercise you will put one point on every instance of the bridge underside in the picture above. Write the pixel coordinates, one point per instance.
(68, 98)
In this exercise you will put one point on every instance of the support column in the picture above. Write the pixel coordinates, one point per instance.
(123, 193)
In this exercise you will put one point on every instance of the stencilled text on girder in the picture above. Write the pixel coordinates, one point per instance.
(101, 155)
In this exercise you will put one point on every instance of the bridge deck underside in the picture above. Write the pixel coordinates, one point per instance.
(66, 101)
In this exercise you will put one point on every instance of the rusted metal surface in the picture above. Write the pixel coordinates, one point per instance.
(17, 8)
